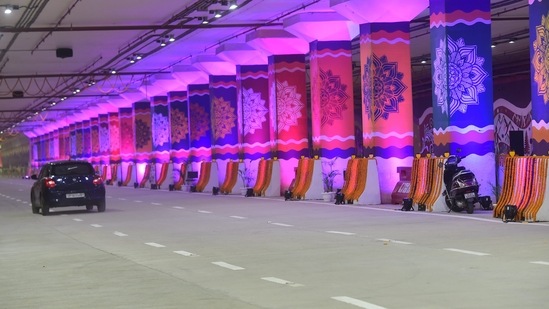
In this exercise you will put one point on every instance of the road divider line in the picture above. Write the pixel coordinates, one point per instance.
(96, 225)
(185, 253)
(77, 220)
(153, 244)
(157, 204)
(357, 302)
(400, 242)
(340, 233)
(540, 263)
(204, 212)
(120, 234)
(238, 217)
(281, 224)
(282, 281)
(178, 207)
(467, 252)
(228, 266)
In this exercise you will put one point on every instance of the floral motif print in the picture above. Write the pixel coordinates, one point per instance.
(224, 117)
(540, 60)
(254, 111)
(288, 105)
(333, 97)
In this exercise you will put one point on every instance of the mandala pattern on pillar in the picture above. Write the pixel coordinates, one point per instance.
(180, 126)
(114, 142)
(458, 76)
(161, 125)
(104, 138)
(126, 135)
(224, 117)
(333, 96)
(383, 86)
(142, 136)
(199, 121)
(95, 139)
(540, 61)
(288, 105)
(254, 111)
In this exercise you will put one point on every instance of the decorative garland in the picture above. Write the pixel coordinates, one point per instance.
(260, 179)
(507, 188)
(297, 179)
(361, 178)
(414, 178)
(163, 174)
(128, 175)
(347, 175)
(181, 180)
(205, 169)
(437, 183)
(114, 173)
(541, 186)
(268, 176)
(145, 176)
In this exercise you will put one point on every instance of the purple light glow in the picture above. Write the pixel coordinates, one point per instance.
(368, 11)
(277, 42)
(241, 54)
(321, 27)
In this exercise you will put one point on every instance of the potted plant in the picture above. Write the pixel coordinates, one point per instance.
(247, 176)
(328, 175)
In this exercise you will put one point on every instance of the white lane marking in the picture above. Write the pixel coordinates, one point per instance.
(122, 199)
(238, 217)
(540, 263)
(120, 234)
(280, 224)
(157, 204)
(204, 212)
(185, 253)
(18, 200)
(227, 265)
(467, 252)
(153, 244)
(282, 281)
(138, 201)
(340, 233)
(400, 242)
(178, 207)
(78, 220)
(96, 225)
(357, 302)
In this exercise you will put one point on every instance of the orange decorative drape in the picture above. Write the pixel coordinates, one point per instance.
(204, 178)
(181, 180)
(163, 174)
(128, 175)
(145, 176)
(231, 176)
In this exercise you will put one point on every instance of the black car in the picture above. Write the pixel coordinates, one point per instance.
(67, 183)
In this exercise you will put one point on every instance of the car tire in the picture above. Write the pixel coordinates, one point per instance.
(45, 207)
(101, 206)
(89, 207)
(35, 208)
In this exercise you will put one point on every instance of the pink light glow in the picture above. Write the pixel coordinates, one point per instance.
(322, 27)
(277, 42)
(241, 54)
(213, 65)
(188, 74)
(140, 167)
(368, 11)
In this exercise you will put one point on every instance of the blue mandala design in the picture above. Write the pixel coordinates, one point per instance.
(465, 76)
(142, 135)
(383, 87)
(540, 61)
(333, 97)
(104, 140)
(161, 127)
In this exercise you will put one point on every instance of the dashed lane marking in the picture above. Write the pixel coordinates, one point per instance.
(178, 207)
(120, 234)
(340, 233)
(157, 204)
(540, 263)
(96, 225)
(185, 253)
(238, 217)
(281, 224)
(400, 242)
(78, 220)
(228, 266)
(204, 212)
(153, 244)
(282, 281)
(467, 252)
(357, 302)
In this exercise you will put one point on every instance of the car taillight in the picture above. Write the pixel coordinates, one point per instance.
(50, 183)
(97, 180)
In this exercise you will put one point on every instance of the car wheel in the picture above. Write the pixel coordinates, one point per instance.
(89, 207)
(35, 208)
(45, 207)
(101, 206)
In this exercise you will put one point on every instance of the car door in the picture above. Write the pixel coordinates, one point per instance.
(37, 186)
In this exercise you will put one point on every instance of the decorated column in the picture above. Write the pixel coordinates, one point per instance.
(72, 141)
(114, 138)
(127, 145)
(539, 71)
(79, 141)
(179, 123)
(160, 129)
(224, 118)
(94, 139)
(461, 58)
(143, 140)
(200, 123)
(86, 140)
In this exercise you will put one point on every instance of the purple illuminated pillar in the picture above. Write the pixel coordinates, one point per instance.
(179, 122)
(461, 57)
(114, 138)
(127, 141)
(254, 93)
(387, 113)
(86, 140)
(72, 141)
(94, 139)
(332, 99)
(224, 117)
(104, 142)
(200, 123)
(539, 72)
(160, 129)
(79, 141)
(143, 135)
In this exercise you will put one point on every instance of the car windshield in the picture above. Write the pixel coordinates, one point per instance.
(72, 169)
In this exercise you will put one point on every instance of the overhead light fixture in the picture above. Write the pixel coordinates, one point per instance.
(53, 103)
(218, 14)
(91, 82)
(493, 45)
(171, 38)
(9, 8)
(138, 56)
(112, 71)
(511, 41)
(233, 5)
(203, 20)
(423, 61)
(162, 42)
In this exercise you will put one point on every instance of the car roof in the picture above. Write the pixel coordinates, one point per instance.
(62, 162)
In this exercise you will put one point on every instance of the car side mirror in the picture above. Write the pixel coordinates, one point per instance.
(34, 177)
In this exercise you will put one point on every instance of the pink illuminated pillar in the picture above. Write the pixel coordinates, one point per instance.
(104, 135)
(387, 99)
(114, 138)
(94, 139)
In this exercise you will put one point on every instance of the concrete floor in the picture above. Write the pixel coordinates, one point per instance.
(160, 249)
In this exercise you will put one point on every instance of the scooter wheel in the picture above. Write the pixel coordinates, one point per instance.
(470, 208)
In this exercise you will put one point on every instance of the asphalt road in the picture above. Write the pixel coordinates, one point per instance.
(160, 249)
